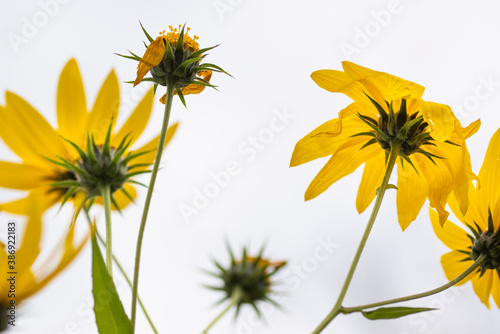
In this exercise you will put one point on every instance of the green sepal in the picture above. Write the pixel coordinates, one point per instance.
(150, 39)
(181, 96)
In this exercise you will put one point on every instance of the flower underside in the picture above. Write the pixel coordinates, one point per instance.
(99, 166)
(484, 243)
(410, 132)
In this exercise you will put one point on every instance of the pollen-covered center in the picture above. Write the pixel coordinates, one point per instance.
(173, 36)
(410, 132)
(486, 243)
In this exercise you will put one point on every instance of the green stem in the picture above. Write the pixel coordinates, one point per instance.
(154, 172)
(124, 274)
(106, 199)
(380, 196)
(235, 299)
(480, 260)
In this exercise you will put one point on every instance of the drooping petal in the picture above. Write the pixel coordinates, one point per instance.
(326, 139)
(450, 234)
(152, 57)
(440, 118)
(411, 194)
(152, 145)
(468, 131)
(373, 173)
(196, 89)
(30, 135)
(489, 174)
(104, 111)
(23, 206)
(482, 286)
(71, 102)
(495, 289)
(453, 266)
(22, 176)
(342, 163)
(137, 121)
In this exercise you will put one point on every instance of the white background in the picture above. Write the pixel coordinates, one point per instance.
(270, 47)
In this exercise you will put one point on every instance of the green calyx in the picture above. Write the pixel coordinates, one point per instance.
(249, 277)
(485, 243)
(98, 167)
(409, 132)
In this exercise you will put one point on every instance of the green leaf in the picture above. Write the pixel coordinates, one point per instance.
(109, 313)
(394, 312)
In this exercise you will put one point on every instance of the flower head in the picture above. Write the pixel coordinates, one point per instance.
(32, 274)
(39, 145)
(483, 238)
(247, 281)
(389, 111)
(174, 58)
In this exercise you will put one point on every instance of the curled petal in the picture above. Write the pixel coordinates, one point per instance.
(440, 118)
(152, 57)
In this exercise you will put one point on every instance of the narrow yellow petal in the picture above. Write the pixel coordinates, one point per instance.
(196, 89)
(440, 118)
(495, 290)
(71, 103)
(137, 121)
(152, 145)
(30, 132)
(152, 57)
(23, 206)
(22, 176)
(104, 111)
(489, 174)
(356, 72)
(450, 234)
(482, 286)
(411, 194)
(453, 266)
(326, 139)
(342, 163)
(373, 173)
(468, 131)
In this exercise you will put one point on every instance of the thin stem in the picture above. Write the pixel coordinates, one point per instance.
(380, 196)
(154, 172)
(124, 274)
(106, 199)
(480, 260)
(235, 299)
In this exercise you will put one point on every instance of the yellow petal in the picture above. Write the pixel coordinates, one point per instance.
(342, 163)
(469, 130)
(152, 145)
(137, 121)
(489, 175)
(373, 173)
(23, 206)
(450, 234)
(71, 103)
(104, 111)
(356, 72)
(411, 194)
(326, 139)
(30, 135)
(196, 89)
(30, 245)
(22, 176)
(453, 266)
(482, 286)
(152, 57)
(495, 290)
(440, 118)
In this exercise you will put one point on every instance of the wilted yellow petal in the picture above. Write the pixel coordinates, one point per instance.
(152, 57)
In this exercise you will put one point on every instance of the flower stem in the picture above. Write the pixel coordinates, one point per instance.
(480, 260)
(122, 271)
(380, 195)
(154, 172)
(235, 299)
(106, 199)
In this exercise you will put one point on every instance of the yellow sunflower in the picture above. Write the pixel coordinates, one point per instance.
(21, 274)
(36, 142)
(434, 160)
(483, 221)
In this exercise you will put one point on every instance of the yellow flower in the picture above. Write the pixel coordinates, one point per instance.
(35, 141)
(32, 273)
(174, 58)
(483, 221)
(434, 160)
